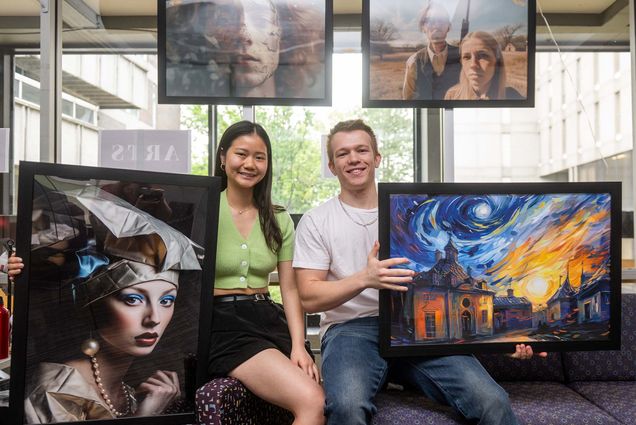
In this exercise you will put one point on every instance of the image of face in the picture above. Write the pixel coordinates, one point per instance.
(246, 161)
(137, 316)
(259, 39)
(222, 21)
(354, 161)
(478, 64)
(437, 25)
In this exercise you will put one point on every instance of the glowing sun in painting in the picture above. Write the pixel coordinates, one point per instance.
(537, 287)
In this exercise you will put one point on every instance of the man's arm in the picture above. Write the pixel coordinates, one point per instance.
(318, 294)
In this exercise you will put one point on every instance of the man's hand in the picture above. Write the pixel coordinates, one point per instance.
(524, 352)
(380, 275)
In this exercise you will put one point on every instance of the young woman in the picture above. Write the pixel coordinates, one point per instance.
(483, 75)
(253, 339)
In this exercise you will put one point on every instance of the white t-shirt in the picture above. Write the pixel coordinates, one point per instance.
(329, 239)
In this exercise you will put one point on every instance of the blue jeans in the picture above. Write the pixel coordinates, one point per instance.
(354, 372)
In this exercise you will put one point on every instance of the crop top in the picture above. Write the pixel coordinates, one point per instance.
(247, 263)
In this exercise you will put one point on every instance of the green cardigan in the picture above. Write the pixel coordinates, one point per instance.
(247, 263)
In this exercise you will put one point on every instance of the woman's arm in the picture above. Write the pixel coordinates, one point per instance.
(295, 320)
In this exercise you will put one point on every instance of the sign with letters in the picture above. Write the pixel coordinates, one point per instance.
(146, 150)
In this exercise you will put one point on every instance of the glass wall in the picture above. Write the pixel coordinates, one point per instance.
(581, 121)
(298, 134)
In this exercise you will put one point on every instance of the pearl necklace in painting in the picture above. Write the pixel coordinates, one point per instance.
(104, 394)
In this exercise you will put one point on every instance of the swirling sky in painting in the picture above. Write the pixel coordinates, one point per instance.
(529, 243)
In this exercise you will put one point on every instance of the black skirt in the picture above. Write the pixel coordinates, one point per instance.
(242, 329)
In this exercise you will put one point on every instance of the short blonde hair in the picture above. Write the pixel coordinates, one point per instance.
(348, 126)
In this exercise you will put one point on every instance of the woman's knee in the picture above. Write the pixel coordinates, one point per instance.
(310, 401)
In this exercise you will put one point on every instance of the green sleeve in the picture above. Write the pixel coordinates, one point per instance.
(286, 251)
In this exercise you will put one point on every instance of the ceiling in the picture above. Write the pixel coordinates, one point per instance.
(128, 25)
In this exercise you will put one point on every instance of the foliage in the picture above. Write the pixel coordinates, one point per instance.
(297, 183)
(506, 34)
(381, 34)
(394, 131)
(195, 118)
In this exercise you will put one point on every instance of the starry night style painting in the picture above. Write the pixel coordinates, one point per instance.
(501, 264)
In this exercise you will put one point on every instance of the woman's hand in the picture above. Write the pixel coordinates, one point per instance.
(160, 390)
(301, 358)
(14, 266)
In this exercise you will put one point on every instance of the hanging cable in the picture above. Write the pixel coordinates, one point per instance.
(597, 144)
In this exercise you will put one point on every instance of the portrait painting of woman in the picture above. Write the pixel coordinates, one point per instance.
(114, 291)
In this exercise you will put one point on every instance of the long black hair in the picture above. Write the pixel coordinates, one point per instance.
(263, 189)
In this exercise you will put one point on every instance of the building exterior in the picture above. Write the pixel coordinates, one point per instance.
(562, 305)
(593, 299)
(512, 312)
(449, 304)
(100, 92)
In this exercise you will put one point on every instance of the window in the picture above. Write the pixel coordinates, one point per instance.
(84, 114)
(429, 319)
(484, 316)
(67, 107)
(30, 93)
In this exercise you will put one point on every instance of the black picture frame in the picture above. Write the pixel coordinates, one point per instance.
(390, 32)
(491, 245)
(46, 314)
(199, 68)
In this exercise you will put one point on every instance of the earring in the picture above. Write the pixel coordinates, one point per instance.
(223, 166)
(90, 347)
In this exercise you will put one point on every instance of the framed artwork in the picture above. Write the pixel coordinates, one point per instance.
(7, 239)
(448, 54)
(499, 264)
(249, 52)
(112, 306)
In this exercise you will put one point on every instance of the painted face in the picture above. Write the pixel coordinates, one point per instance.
(437, 25)
(137, 316)
(478, 64)
(354, 161)
(257, 57)
(222, 21)
(246, 161)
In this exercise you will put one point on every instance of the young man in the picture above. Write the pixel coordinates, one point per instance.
(431, 71)
(338, 274)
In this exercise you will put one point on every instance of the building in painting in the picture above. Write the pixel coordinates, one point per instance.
(563, 304)
(512, 312)
(448, 304)
(593, 298)
(540, 317)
